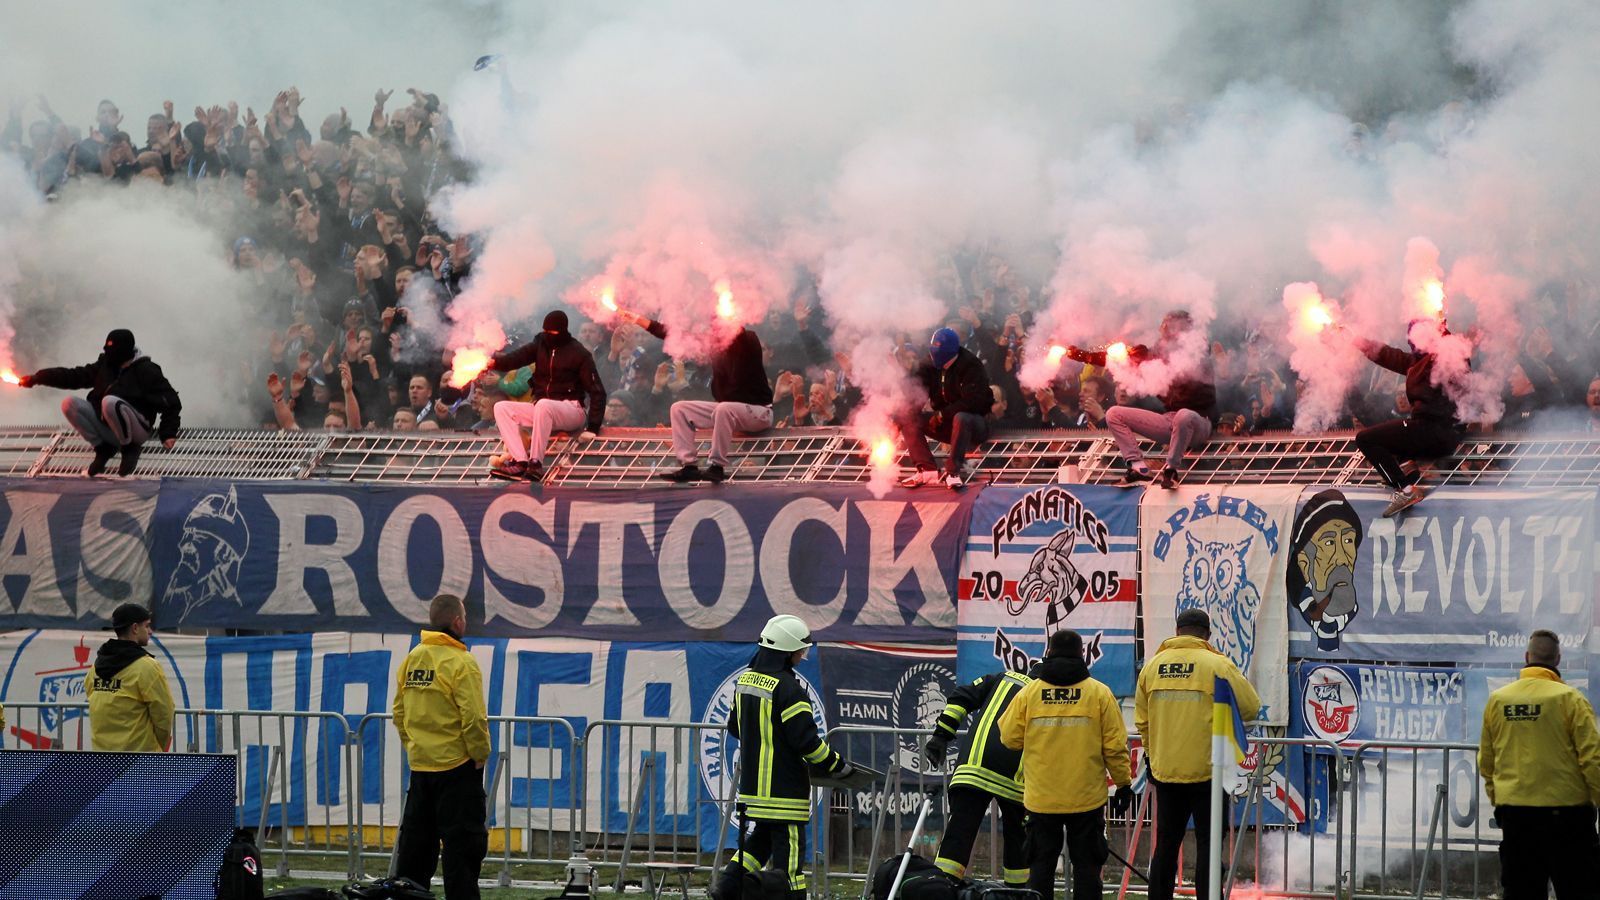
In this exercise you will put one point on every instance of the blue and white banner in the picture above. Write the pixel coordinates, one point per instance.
(675, 564)
(1463, 577)
(1040, 560)
(1220, 549)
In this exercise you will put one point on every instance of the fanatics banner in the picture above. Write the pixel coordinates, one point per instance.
(671, 563)
(1039, 560)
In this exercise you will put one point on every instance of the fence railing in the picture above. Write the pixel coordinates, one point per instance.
(633, 457)
(1379, 820)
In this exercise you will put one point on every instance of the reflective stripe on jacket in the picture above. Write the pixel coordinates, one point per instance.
(778, 740)
(986, 762)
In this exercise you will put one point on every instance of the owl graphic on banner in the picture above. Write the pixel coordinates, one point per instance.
(1222, 551)
(1216, 580)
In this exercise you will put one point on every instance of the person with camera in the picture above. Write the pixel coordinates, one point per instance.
(1069, 729)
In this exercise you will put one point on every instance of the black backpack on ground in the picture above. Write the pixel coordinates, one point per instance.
(305, 893)
(239, 878)
(388, 889)
(995, 890)
(923, 881)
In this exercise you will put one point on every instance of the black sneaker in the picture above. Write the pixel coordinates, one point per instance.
(1168, 479)
(686, 475)
(715, 474)
(534, 472)
(102, 456)
(1134, 476)
(130, 459)
(511, 470)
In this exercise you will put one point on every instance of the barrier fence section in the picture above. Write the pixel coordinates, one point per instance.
(1381, 820)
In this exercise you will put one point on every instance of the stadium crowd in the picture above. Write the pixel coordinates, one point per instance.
(335, 228)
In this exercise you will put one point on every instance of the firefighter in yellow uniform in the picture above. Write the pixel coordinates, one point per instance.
(778, 744)
(130, 705)
(1172, 712)
(444, 727)
(1070, 731)
(1540, 761)
(987, 770)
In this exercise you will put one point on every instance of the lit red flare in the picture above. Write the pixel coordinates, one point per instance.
(1057, 353)
(608, 297)
(466, 365)
(1317, 316)
(725, 307)
(1433, 297)
(1117, 351)
(10, 377)
(883, 453)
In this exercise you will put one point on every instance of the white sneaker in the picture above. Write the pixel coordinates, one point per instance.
(1403, 499)
(919, 478)
(955, 482)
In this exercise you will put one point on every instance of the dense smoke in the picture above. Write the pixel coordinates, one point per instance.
(1128, 160)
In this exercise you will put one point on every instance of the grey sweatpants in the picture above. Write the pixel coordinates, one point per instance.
(722, 418)
(115, 423)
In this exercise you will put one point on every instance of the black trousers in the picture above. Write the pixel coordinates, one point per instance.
(1387, 443)
(967, 808)
(1545, 846)
(1086, 849)
(447, 807)
(963, 432)
(769, 844)
(1176, 804)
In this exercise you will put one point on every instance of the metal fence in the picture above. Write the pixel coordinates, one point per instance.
(1382, 819)
(633, 457)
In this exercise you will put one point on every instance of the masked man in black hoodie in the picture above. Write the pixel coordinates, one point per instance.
(741, 400)
(127, 391)
(130, 705)
(1431, 431)
(1190, 400)
(958, 394)
(779, 746)
(563, 376)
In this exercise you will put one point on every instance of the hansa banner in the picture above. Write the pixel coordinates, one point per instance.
(674, 564)
(1220, 549)
(1044, 559)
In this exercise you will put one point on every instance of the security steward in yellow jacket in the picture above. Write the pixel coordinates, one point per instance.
(1172, 712)
(987, 770)
(130, 705)
(778, 744)
(1540, 761)
(1069, 729)
(444, 727)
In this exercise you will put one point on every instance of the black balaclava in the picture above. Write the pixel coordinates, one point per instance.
(119, 347)
(555, 327)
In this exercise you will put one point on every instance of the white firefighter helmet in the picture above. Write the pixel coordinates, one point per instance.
(785, 633)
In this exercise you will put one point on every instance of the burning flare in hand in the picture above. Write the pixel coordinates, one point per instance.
(1433, 297)
(1117, 352)
(467, 364)
(608, 297)
(725, 307)
(1317, 316)
(9, 376)
(1057, 353)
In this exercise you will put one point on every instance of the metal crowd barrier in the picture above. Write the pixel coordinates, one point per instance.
(1397, 819)
(632, 457)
